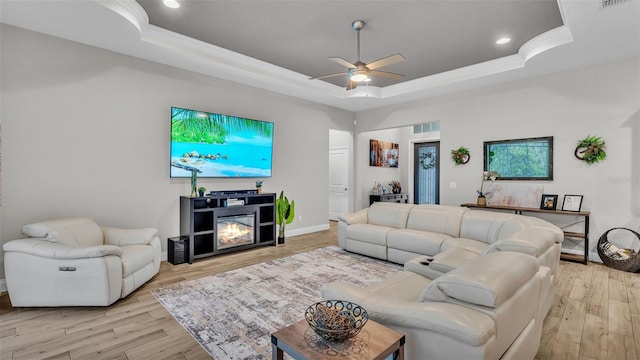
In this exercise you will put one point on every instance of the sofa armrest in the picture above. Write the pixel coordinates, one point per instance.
(455, 321)
(358, 217)
(43, 248)
(124, 237)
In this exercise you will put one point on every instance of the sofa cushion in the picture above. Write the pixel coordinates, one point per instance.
(475, 246)
(389, 214)
(436, 218)
(487, 280)
(485, 226)
(69, 231)
(420, 242)
(374, 234)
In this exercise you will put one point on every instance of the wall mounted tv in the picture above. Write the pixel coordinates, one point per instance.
(219, 145)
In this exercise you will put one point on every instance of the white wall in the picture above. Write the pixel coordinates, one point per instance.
(600, 100)
(86, 133)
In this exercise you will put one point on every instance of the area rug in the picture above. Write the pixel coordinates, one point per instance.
(233, 314)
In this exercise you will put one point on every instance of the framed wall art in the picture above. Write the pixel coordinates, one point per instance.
(572, 203)
(383, 153)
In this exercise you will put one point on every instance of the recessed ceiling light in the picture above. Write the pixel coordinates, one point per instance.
(171, 3)
(503, 40)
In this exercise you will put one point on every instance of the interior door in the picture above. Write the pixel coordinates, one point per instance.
(338, 182)
(426, 170)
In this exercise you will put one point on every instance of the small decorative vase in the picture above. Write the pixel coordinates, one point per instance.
(482, 201)
(259, 188)
(201, 193)
(194, 180)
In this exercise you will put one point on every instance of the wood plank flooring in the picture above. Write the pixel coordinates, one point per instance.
(596, 315)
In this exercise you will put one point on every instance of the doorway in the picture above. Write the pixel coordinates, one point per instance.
(426, 173)
(339, 173)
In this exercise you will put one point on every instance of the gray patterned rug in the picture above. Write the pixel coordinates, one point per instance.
(233, 314)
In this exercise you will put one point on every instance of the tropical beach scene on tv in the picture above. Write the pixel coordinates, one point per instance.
(216, 145)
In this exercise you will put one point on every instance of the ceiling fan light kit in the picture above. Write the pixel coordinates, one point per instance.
(360, 71)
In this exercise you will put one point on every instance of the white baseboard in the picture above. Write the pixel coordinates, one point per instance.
(307, 230)
(3, 285)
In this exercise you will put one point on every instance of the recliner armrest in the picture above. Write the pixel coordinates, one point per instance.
(358, 217)
(47, 249)
(124, 237)
(534, 242)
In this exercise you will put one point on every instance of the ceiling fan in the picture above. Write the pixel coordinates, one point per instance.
(361, 72)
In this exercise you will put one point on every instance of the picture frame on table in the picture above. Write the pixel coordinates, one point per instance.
(572, 203)
(548, 202)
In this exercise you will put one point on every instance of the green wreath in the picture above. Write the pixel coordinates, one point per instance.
(460, 156)
(590, 150)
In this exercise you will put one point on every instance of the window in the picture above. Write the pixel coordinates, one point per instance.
(520, 159)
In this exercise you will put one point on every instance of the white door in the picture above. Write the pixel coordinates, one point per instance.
(338, 181)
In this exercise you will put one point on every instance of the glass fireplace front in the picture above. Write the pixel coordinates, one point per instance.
(236, 230)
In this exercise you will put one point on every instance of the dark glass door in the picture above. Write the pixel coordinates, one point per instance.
(426, 170)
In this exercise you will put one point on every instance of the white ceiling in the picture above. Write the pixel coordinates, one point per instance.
(278, 45)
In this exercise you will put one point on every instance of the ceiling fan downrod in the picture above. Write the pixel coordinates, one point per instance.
(357, 26)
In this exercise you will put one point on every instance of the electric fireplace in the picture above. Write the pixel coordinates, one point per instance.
(235, 230)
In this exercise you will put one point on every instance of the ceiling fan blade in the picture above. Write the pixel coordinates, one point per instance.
(352, 85)
(328, 76)
(386, 74)
(343, 62)
(392, 59)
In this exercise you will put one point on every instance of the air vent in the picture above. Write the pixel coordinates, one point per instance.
(607, 3)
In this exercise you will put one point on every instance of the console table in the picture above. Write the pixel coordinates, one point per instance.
(399, 198)
(578, 235)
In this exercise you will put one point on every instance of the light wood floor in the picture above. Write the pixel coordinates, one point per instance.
(596, 315)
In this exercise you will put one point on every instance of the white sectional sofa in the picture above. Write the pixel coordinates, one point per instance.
(476, 284)
(401, 232)
(491, 307)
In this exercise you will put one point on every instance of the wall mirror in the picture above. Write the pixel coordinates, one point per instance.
(520, 159)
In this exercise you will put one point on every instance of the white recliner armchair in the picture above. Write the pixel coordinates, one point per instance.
(75, 262)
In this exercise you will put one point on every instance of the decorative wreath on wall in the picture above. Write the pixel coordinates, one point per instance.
(460, 156)
(590, 150)
(427, 161)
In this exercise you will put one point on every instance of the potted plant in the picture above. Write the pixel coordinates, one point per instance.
(482, 195)
(460, 156)
(593, 150)
(201, 191)
(285, 213)
(259, 186)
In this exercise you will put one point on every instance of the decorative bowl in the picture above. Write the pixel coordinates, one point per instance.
(336, 320)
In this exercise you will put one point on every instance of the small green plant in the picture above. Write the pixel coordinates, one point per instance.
(460, 156)
(593, 150)
(258, 183)
(202, 189)
(285, 213)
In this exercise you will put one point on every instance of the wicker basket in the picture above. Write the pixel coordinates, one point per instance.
(336, 320)
(631, 264)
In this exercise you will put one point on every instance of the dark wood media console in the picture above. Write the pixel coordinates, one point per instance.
(201, 217)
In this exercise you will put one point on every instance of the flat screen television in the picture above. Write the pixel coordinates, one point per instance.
(219, 145)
